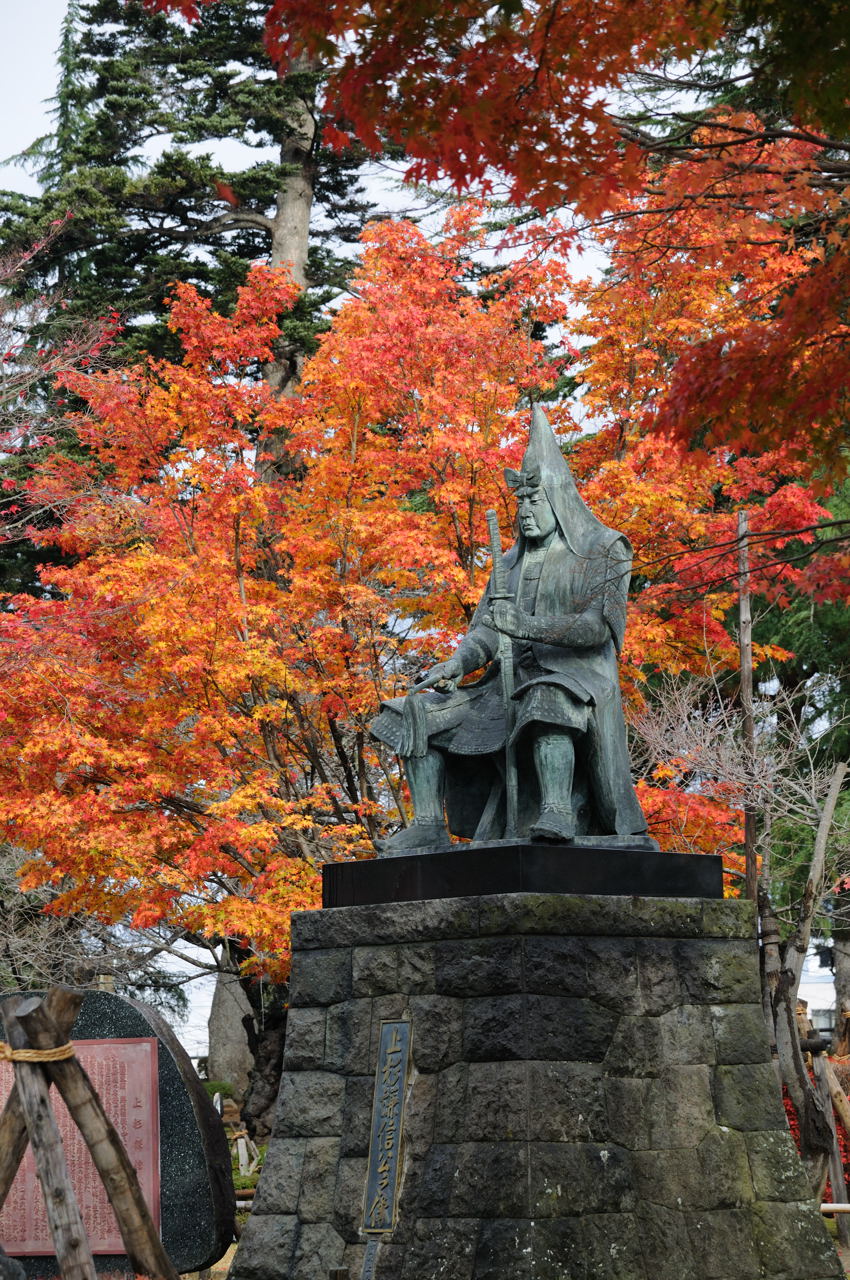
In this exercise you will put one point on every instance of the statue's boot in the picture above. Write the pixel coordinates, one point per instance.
(552, 824)
(426, 777)
(419, 837)
(554, 761)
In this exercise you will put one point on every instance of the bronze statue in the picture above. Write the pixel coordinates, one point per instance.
(536, 747)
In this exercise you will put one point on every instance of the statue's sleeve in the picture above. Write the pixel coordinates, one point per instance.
(481, 643)
(601, 602)
(615, 588)
(599, 599)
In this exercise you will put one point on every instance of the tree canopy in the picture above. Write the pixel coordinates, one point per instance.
(186, 722)
(752, 143)
(145, 107)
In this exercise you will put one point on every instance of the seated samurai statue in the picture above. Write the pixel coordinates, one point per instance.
(562, 731)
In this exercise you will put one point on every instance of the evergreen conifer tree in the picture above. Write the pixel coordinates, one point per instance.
(146, 107)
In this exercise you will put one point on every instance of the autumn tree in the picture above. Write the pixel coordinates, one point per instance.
(528, 90)
(189, 695)
(531, 92)
(178, 153)
(629, 327)
(186, 706)
(38, 948)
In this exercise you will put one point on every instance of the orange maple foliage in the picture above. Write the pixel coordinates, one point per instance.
(634, 326)
(677, 279)
(520, 87)
(134, 760)
(525, 92)
(679, 818)
(408, 412)
(734, 265)
(184, 717)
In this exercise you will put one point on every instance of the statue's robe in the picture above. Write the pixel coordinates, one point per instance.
(561, 683)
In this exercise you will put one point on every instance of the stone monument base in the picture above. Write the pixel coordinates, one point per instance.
(591, 1096)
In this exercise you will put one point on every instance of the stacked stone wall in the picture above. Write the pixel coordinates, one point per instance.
(591, 1095)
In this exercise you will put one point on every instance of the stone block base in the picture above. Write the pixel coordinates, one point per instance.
(591, 1096)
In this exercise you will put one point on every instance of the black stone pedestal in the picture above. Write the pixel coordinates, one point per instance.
(591, 1097)
(468, 871)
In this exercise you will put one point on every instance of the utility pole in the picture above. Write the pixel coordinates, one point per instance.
(745, 643)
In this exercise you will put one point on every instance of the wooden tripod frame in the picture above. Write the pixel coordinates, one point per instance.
(45, 1024)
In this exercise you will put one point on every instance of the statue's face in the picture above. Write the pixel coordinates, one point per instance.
(535, 515)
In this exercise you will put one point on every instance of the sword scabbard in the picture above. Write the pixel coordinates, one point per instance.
(499, 591)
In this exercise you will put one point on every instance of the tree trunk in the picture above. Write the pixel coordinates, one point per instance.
(782, 966)
(746, 651)
(290, 233)
(781, 983)
(291, 222)
(288, 228)
(263, 1017)
(259, 1107)
(266, 1030)
(229, 1058)
(841, 964)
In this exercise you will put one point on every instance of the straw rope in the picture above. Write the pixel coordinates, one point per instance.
(62, 1051)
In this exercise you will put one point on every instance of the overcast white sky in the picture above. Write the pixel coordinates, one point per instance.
(29, 38)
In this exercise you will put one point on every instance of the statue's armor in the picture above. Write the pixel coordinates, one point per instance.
(565, 674)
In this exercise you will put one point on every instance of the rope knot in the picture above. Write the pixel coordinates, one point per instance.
(59, 1054)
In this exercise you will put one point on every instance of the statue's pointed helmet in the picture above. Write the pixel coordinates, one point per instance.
(544, 466)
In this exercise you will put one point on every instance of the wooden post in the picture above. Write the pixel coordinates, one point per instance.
(13, 1129)
(836, 1168)
(143, 1246)
(840, 1102)
(13, 1142)
(745, 641)
(63, 1215)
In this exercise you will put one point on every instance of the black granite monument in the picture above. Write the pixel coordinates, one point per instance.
(196, 1201)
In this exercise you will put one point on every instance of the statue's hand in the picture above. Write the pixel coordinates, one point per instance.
(506, 617)
(443, 676)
